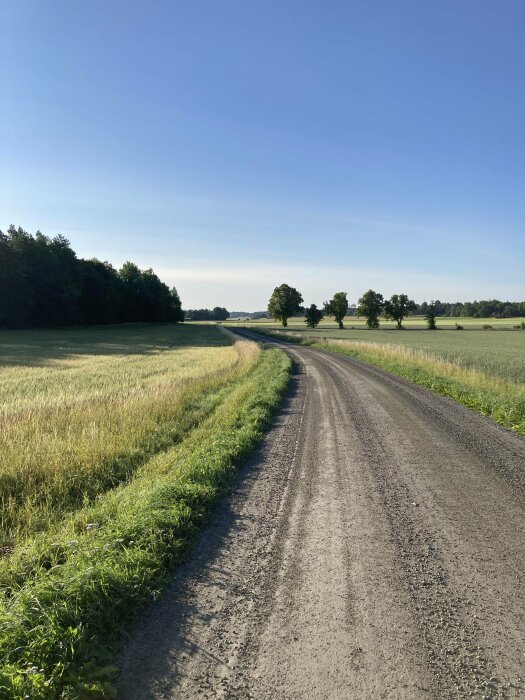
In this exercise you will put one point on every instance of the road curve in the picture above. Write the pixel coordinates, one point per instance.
(373, 548)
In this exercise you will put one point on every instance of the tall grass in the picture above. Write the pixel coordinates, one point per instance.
(80, 425)
(500, 399)
(498, 353)
(68, 591)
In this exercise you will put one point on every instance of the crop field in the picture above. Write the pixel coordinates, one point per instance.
(115, 442)
(500, 353)
(359, 323)
(483, 369)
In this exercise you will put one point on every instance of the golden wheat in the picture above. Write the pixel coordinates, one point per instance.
(65, 424)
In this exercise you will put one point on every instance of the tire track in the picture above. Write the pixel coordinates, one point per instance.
(373, 548)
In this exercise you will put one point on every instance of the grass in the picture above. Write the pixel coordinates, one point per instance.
(81, 411)
(415, 322)
(499, 353)
(501, 399)
(76, 576)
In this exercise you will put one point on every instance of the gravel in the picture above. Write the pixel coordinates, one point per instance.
(373, 548)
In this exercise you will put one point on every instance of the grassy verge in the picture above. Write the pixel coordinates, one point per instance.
(65, 603)
(499, 399)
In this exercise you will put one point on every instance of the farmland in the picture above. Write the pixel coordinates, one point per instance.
(482, 369)
(499, 351)
(115, 443)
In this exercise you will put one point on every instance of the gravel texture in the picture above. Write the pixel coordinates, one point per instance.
(373, 548)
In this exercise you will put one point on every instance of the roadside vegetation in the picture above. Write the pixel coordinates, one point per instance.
(117, 443)
(498, 353)
(499, 394)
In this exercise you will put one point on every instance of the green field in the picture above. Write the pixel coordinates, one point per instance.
(115, 444)
(499, 352)
(482, 369)
(410, 322)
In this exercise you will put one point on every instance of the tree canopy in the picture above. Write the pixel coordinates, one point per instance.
(370, 305)
(313, 316)
(284, 303)
(43, 283)
(337, 307)
(218, 313)
(397, 307)
(430, 316)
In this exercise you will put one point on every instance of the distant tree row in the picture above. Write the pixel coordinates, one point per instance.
(43, 283)
(286, 302)
(219, 313)
(476, 309)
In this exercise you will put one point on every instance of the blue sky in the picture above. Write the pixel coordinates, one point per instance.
(235, 145)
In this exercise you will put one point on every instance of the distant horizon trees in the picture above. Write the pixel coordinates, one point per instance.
(493, 308)
(286, 301)
(218, 313)
(44, 284)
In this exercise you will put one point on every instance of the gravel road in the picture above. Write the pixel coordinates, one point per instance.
(373, 548)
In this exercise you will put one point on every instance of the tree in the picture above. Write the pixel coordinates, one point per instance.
(430, 316)
(219, 313)
(312, 316)
(43, 283)
(399, 306)
(370, 306)
(285, 302)
(176, 312)
(337, 307)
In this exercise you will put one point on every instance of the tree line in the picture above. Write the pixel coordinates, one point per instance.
(476, 309)
(286, 302)
(44, 284)
(218, 313)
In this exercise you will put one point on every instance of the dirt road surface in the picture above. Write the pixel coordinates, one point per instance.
(373, 548)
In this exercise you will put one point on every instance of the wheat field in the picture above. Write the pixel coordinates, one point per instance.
(81, 410)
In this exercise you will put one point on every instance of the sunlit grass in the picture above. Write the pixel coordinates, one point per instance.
(501, 399)
(123, 441)
(499, 353)
(76, 425)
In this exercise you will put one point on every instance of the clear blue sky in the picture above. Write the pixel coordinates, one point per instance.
(231, 146)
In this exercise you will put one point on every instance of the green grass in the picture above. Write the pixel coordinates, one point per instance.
(499, 353)
(503, 400)
(416, 322)
(81, 410)
(69, 589)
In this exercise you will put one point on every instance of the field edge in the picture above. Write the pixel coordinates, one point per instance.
(499, 400)
(60, 633)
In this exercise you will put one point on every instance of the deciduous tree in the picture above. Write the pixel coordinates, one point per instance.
(284, 303)
(313, 316)
(397, 307)
(337, 307)
(430, 316)
(370, 305)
